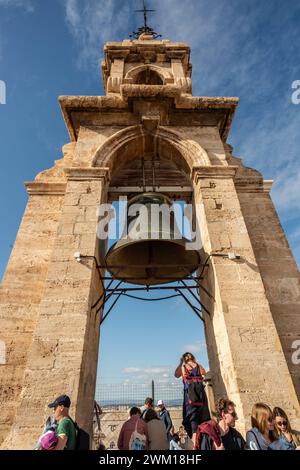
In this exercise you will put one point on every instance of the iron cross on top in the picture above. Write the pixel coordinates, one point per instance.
(145, 28)
(145, 11)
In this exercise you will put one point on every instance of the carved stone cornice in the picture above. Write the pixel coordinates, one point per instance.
(227, 105)
(213, 171)
(253, 185)
(87, 174)
(39, 188)
(71, 105)
(92, 106)
(150, 91)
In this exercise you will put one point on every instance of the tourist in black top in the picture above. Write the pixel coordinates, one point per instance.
(227, 416)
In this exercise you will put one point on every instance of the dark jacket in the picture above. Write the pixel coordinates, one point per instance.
(166, 418)
(208, 433)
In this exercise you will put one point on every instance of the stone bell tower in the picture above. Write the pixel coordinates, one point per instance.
(47, 323)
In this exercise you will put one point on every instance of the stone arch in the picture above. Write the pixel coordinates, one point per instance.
(148, 77)
(165, 75)
(130, 143)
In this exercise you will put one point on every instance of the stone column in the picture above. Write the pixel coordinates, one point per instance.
(277, 266)
(245, 354)
(64, 350)
(22, 289)
(116, 76)
(179, 76)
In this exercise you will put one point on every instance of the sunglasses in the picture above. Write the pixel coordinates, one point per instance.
(281, 423)
(270, 420)
(55, 407)
(233, 414)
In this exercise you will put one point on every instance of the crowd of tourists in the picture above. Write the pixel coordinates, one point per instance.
(148, 428)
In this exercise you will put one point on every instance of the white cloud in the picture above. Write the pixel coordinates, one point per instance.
(286, 193)
(94, 22)
(26, 4)
(296, 233)
(72, 14)
(132, 370)
(150, 371)
(195, 347)
(272, 145)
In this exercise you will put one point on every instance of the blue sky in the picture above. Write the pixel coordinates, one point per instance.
(245, 48)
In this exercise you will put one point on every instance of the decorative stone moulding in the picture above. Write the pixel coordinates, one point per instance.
(185, 83)
(91, 173)
(253, 185)
(95, 104)
(48, 189)
(113, 84)
(150, 91)
(213, 171)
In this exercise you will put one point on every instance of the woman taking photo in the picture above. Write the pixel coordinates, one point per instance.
(283, 430)
(195, 406)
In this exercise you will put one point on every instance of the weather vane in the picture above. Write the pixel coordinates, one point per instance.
(145, 29)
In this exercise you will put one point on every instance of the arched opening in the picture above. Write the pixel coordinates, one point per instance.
(148, 77)
(142, 340)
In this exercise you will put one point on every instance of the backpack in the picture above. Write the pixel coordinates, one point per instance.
(82, 438)
(196, 392)
(49, 430)
(137, 440)
(48, 440)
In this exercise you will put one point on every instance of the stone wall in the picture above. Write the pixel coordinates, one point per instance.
(278, 270)
(20, 295)
(247, 362)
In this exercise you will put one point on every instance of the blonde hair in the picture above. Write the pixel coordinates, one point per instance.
(260, 413)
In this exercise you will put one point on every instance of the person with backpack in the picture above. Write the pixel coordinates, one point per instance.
(195, 404)
(133, 434)
(66, 430)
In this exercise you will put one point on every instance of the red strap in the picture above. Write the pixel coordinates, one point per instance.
(193, 378)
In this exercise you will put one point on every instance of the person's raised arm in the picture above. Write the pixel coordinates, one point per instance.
(178, 371)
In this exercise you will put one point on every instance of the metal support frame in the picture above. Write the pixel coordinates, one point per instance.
(116, 290)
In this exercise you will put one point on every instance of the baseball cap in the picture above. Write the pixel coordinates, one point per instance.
(160, 402)
(61, 400)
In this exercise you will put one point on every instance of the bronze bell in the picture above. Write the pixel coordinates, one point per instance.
(159, 255)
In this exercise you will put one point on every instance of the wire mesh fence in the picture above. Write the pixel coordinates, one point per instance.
(115, 400)
(122, 396)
